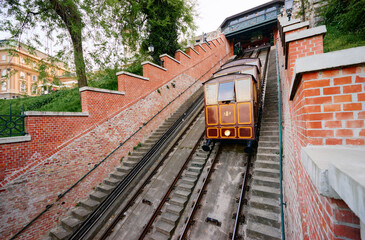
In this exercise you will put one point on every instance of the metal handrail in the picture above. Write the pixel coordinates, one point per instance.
(12, 125)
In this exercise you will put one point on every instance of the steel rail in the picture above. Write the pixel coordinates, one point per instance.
(97, 214)
(171, 188)
(138, 192)
(200, 195)
(242, 196)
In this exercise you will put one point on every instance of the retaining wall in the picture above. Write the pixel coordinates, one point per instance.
(323, 105)
(65, 146)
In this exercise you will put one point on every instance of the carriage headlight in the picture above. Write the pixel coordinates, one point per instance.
(227, 133)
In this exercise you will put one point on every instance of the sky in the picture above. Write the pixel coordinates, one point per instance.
(211, 13)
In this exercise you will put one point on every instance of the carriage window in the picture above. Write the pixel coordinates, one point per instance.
(243, 89)
(211, 92)
(226, 91)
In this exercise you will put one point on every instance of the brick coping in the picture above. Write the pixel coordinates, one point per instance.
(284, 21)
(335, 178)
(155, 65)
(18, 139)
(296, 26)
(305, 33)
(173, 59)
(183, 53)
(132, 75)
(56, 114)
(324, 61)
(100, 90)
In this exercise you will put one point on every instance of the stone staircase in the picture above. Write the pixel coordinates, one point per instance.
(85, 207)
(264, 203)
(166, 224)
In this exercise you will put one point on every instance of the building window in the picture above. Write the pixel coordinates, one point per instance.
(3, 57)
(3, 73)
(22, 60)
(22, 86)
(34, 65)
(34, 89)
(3, 86)
(34, 77)
(22, 75)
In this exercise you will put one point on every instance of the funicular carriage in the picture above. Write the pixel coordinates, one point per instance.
(232, 102)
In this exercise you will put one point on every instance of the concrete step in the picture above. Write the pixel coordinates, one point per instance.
(266, 181)
(269, 138)
(267, 127)
(266, 172)
(139, 152)
(165, 228)
(98, 196)
(267, 192)
(269, 133)
(60, 233)
(267, 156)
(70, 223)
(198, 163)
(158, 236)
(261, 231)
(267, 164)
(264, 217)
(129, 163)
(80, 213)
(178, 200)
(105, 188)
(185, 186)
(182, 193)
(118, 174)
(269, 150)
(189, 179)
(194, 169)
(175, 209)
(268, 143)
(131, 158)
(111, 181)
(124, 170)
(202, 154)
(270, 119)
(170, 218)
(89, 204)
(192, 174)
(267, 204)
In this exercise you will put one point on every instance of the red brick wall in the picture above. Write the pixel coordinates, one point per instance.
(63, 149)
(327, 110)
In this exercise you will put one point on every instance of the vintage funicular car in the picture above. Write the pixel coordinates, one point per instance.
(231, 103)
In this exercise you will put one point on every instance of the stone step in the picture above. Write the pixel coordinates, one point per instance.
(139, 153)
(130, 163)
(267, 156)
(185, 186)
(268, 150)
(267, 192)
(98, 196)
(70, 223)
(197, 163)
(131, 158)
(111, 181)
(182, 193)
(124, 170)
(267, 164)
(194, 169)
(267, 204)
(89, 204)
(175, 209)
(202, 154)
(266, 181)
(165, 228)
(269, 133)
(268, 143)
(159, 236)
(270, 119)
(267, 127)
(80, 213)
(119, 175)
(189, 180)
(269, 138)
(60, 233)
(179, 201)
(105, 188)
(266, 172)
(170, 218)
(264, 217)
(261, 231)
(192, 174)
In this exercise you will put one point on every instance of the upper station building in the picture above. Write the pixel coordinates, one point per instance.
(21, 71)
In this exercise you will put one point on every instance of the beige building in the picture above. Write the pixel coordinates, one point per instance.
(29, 73)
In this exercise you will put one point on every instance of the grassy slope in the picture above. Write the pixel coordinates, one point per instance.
(336, 40)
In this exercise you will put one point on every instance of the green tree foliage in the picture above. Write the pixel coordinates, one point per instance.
(345, 15)
(165, 20)
(19, 15)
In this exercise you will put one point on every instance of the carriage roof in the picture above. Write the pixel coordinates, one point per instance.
(247, 61)
(238, 69)
(229, 77)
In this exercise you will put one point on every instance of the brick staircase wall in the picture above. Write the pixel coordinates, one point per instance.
(322, 107)
(64, 147)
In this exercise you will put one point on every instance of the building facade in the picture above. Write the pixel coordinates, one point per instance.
(24, 72)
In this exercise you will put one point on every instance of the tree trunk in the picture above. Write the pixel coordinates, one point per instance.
(70, 15)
